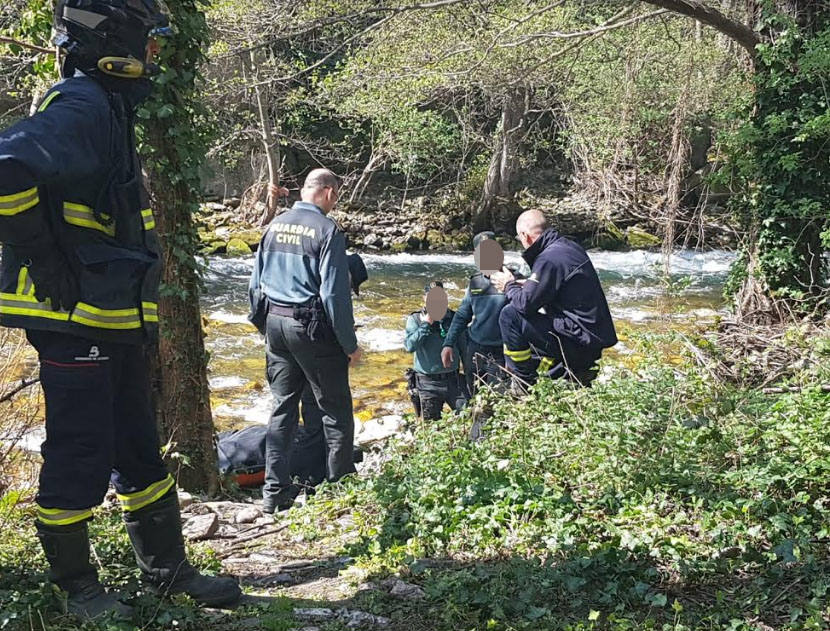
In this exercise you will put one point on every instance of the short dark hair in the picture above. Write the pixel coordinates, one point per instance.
(432, 285)
(319, 179)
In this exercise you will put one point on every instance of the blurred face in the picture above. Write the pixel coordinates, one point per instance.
(153, 48)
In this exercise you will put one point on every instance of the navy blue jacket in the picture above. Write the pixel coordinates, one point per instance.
(70, 182)
(479, 310)
(302, 255)
(564, 282)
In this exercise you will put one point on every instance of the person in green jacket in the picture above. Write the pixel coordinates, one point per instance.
(435, 383)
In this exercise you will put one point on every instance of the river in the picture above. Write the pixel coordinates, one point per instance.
(639, 294)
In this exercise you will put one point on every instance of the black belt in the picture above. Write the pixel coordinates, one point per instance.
(438, 376)
(280, 310)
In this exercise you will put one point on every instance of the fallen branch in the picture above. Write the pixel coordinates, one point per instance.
(24, 383)
(238, 545)
(787, 389)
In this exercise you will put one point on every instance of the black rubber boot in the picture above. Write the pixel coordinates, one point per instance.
(67, 550)
(156, 535)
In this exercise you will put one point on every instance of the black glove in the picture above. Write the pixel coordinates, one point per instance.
(52, 277)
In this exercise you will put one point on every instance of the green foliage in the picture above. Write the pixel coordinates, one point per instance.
(25, 74)
(173, 130)
(781, 156)
(27, 598)
(656, 500)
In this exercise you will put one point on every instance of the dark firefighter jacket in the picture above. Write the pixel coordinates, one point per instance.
(481, 305)
(70, 182)
(564, 282)
(301, 257)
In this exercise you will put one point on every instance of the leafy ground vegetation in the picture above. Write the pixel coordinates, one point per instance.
(659, 499)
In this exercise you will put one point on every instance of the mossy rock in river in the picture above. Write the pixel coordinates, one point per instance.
(214, 247)
(250, 237)
(638, 238)
(435, 238)
(237, 246)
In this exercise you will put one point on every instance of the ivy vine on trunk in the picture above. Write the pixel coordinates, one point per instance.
(175, 143)
(781, 155)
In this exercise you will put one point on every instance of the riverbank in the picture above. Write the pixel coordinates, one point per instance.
(421, 223)
(658, 499)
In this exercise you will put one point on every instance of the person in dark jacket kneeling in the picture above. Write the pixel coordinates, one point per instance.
(557, 321)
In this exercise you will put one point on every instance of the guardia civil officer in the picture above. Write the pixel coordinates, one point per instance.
(556, 322)
(435, 384)
(478, 316)
(80, 273)
(309, 442)
(301, 279)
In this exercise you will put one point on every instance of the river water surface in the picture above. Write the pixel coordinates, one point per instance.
(638, 292)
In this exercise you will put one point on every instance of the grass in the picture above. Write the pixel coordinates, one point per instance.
(659, 499)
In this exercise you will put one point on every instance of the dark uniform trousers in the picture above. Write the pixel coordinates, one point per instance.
(532, 348)
(483, 365)
(292, 361)
(436, 390)
(100, 426)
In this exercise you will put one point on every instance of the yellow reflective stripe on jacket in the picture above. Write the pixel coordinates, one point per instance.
(84, 217)
(150, 311)
(18, 202)
(25, 287)
(140, 499)
(148, 219)
(62, 517)
(48, 100)
(27, 305)
(106, 318)
(517, 356)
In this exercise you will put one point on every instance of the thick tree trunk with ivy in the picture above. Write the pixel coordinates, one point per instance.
(174, 150)
(780, 157)
(787, 180)
(504, 160)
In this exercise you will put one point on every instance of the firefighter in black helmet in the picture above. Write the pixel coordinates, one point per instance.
(80, 272)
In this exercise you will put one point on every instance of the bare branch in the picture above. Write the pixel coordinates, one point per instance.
(710, 16)
(588, 33)
(34, 47)
(24, 383)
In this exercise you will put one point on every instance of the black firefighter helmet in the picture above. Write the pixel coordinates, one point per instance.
(109, 35)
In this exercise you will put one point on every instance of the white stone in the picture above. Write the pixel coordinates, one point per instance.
(407, 591)
(247, 515)
(185, 499)
(201, 527)
(314, 613)
(377, 430)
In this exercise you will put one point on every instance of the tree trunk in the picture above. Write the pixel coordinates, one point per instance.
(758, 300)
(504, 160)
(181, 386)
(269, 145)
(174, 150)
(781, 208)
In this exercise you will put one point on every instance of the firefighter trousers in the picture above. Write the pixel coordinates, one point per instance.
(100, 427)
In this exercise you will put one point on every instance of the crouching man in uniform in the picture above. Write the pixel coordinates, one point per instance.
(435, 383)
(80, 273)
(556, 322)
(301, 280)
